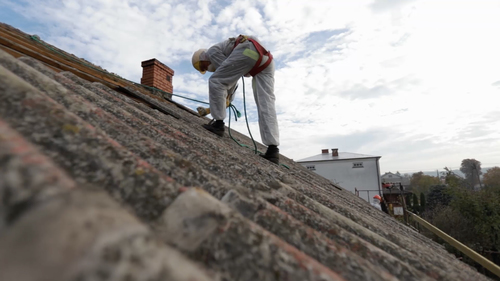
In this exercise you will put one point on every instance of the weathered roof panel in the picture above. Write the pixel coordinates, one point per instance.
(115, 182)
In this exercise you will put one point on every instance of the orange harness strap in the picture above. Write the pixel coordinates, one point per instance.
(262, 52)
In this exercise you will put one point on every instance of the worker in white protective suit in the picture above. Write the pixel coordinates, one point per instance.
(376, 202)
(229, 60)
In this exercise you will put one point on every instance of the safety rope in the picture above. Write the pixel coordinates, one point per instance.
(164, 92)
(229, 126)
(237, 113)
(246, 118)
(231, 107)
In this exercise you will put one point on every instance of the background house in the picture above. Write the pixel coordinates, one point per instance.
(352, 171)
(392, 179)
(394, 189)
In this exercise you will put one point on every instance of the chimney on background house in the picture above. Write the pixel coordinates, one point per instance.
(156, 74)
(323, 151)
(335, 152)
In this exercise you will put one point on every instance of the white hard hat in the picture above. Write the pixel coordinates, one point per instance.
(197, 57)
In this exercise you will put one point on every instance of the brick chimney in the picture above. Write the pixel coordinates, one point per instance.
(156, 74)
(323, 151)
(335, 152)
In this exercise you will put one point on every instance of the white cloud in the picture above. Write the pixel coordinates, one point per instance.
(411, 81)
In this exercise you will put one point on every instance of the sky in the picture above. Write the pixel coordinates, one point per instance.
(415, 82)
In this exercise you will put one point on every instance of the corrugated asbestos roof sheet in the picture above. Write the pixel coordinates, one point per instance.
(102, 184)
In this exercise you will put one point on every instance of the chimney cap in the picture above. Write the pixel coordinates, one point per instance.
(156, 62)
(335, 152)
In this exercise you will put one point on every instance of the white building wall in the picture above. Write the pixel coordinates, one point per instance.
(342, 173)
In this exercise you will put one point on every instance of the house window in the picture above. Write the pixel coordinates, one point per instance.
(357, 165)
(311, 167)
(169, 78)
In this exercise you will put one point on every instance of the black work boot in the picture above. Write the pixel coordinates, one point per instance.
(216, 127)
(272, 154)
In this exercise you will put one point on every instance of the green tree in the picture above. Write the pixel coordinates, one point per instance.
(492, 177)
(472, 217)
(472, 171)
(438, 196)
(449, 220)
(422, 203)
(453, 180)
(409, 203)
(482, 210)
(415, 177)
(421, 183)
(416, 205)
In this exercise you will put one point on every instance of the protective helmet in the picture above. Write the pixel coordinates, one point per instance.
(197, 58)
(378, 197)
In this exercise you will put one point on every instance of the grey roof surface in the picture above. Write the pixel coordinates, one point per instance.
(100, 180)
(342, 156)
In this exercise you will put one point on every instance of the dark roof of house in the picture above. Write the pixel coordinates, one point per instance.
(102, 180)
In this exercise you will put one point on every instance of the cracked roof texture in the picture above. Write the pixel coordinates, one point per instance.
(102, 180)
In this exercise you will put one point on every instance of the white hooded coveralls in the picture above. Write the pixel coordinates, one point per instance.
(231, 64)
(376, 203)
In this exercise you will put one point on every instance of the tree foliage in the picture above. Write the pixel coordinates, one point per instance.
(415, 177)
(422, 203)
(492, 178)
(454, 180)
(420, 183)
(471, 216)
(409, 203)
(482, 209)
(449, 220)
(472, 171)
(416, 205)
(438, 196)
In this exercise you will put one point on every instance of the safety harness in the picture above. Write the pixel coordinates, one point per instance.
(261, 50)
